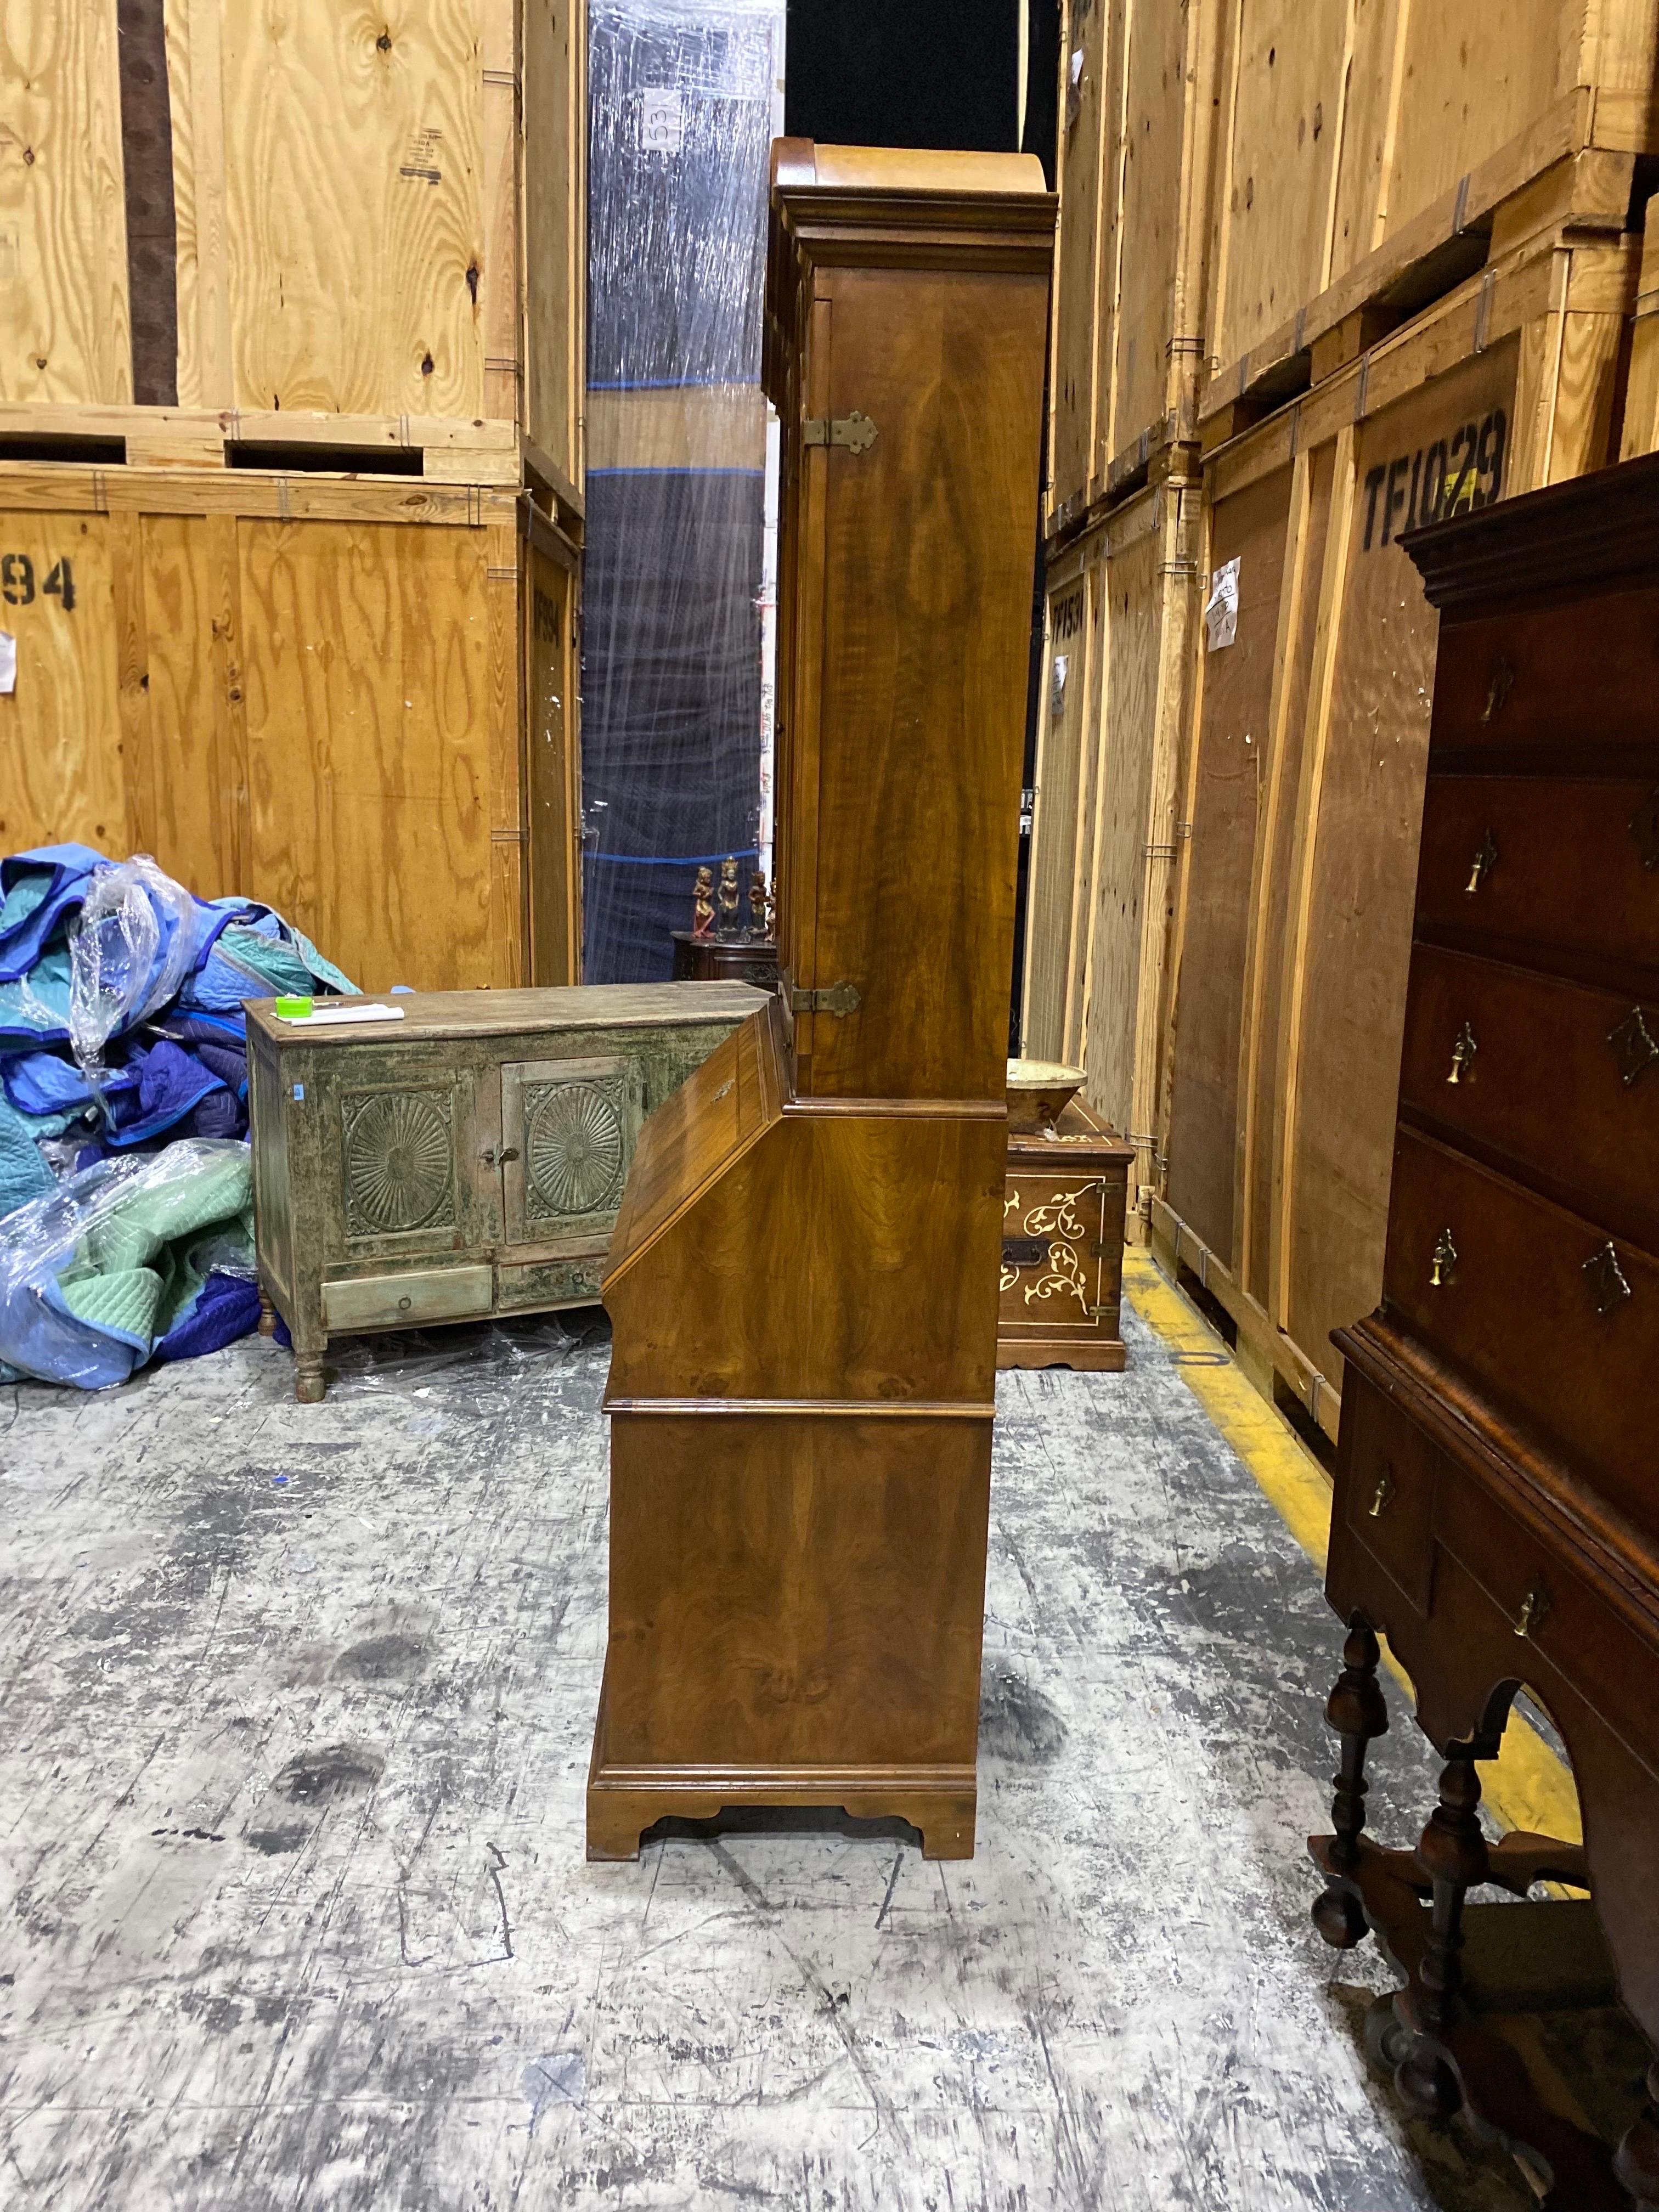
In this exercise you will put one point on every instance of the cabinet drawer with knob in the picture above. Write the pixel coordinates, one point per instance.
(1540, 1309)
(1386, 1489)
(1569, 863)
(409, 1300)
(1510, 1061)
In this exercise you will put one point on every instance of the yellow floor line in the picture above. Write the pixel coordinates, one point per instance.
(1526, 1786)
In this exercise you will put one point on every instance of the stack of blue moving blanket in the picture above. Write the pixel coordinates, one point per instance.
(178, 1070)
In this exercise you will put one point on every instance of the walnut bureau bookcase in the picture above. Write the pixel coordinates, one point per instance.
(465, 1159)
(1497, 1504)
(803, 1281)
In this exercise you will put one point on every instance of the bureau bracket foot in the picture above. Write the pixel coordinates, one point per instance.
(1462, 2064)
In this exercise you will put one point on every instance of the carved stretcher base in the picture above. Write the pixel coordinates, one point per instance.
(1468, 2065)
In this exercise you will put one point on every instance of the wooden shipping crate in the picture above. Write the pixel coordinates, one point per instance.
(244, 212)
(1137, 134)
(353, 699)
(1121, 611)
(1372, 156)
(1306, 777)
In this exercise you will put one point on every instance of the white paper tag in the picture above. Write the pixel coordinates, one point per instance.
(1057, 687)
(662, 121)
(1221, 609)
(8, 661)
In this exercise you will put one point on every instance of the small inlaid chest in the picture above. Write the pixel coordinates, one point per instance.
(464, 1159)
(1062, 1246)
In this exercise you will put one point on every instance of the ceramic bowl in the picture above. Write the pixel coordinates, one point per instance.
(1039, 1091)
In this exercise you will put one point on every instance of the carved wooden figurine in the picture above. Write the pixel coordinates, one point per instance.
(702, 904)
(1496, 1505)
(730, 901)
(803, 1281)
(757, 903)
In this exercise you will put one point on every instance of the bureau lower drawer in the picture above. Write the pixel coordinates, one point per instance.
(1565, 862)
(1385, 1487)
(408, 1300)
(1563, 1630)
(1562, 1079)
(1536, 1306)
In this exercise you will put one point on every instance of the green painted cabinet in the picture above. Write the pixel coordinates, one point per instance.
(465, 1158)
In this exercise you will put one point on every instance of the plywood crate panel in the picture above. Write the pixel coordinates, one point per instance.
(353, 702)
(1374, 152)
(301, 210)
(1121, 605)
(1305, 781)
(1136, 147)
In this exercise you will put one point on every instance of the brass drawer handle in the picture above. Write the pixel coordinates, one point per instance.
(1534, 1610)
(404, 1303)
(1445, 1259)
(1382, 1496)
(1486, 859)
(1463, 1054)
(1607, 1280)
(1498, 691)
(1633, 1047)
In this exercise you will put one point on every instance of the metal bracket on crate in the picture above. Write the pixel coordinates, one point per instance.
(855, 431)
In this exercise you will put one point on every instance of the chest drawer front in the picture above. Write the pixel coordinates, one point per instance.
(1583, 670)
(407, 1301)
(1563, 1630)
(1564, 862)
(1536, 1306)
(1385, 1488)
(1562, 1079)
(1060, 1267)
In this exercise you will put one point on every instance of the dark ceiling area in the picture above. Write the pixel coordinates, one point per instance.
(911, 73)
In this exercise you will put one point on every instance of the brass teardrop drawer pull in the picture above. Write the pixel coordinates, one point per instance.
(1486, 859)
(1498, 691)
(1382, 1496)
(1534, 1610)
(1444, 1259)
(1463, 1054)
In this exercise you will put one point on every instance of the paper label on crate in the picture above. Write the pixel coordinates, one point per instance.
(662, 121)
(1221, 608)
(1057, 687)
(8, 661)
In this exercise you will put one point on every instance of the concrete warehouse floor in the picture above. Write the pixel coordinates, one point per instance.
(294, 1738)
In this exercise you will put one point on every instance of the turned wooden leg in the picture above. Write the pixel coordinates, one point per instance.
(1355, 1709)
(308, 1383)
(1636, 2162)
(267, 1315)
(1452, 1853)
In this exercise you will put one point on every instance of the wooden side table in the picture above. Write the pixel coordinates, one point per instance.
(1062, 1246)
(725, 960)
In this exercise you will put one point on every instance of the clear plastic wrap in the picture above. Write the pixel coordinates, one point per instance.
(95, 1275)
(682, 108)
(130, 951)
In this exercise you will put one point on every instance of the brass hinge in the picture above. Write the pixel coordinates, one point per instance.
(840, 998)
(855, 431)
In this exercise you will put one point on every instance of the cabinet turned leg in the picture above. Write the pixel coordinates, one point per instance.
(1636, 2162)
(1355, 1709)
(308, 1383)
(267, 1316)
(1452, 1853)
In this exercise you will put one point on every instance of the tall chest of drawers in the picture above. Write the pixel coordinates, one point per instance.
(1497, 1504)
